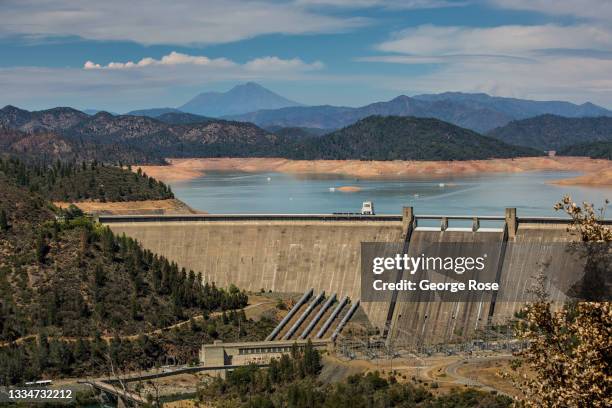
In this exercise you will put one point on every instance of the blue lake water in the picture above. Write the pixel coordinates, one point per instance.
(530, 193)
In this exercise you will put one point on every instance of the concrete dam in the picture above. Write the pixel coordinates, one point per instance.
(292, 253)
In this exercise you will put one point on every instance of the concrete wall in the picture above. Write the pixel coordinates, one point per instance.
(416, 321)
(287, 255)
(523, 250)
(533, 250)
(284, 256)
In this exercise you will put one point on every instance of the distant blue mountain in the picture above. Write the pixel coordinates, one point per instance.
(518, 108)
(240, 99)
(479, 112)
(335, 117)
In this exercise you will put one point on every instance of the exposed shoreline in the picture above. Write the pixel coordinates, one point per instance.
(602, 178)
(348, 189)
(596, 172)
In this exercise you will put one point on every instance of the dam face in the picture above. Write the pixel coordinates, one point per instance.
(296, 253)
(281, 255)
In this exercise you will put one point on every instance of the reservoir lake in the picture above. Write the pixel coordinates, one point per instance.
(280, 193)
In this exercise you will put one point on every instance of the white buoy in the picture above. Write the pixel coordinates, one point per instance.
(332, 189)
(416, 195)
(441, 185)
(269, 178)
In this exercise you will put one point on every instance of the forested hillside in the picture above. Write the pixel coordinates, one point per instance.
(551, 132)
(75, 277)
(67, 283)
(403, 138)
(49, 146)
(595, 150)
(63, 133)
(297, 133)
(69, 181)
(68, 134)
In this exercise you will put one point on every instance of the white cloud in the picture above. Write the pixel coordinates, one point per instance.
(277, 64)
(393, 4)
(590, 9)
(513, 40)
(128, 84)
(165, 22)
(440, 59)
(572, 79)
(539, 62)
(262, 64)
(174, 58)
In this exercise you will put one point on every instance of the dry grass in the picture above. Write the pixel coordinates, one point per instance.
(170, 206)
(429, 370)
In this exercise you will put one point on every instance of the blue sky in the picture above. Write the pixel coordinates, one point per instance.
(108, 55)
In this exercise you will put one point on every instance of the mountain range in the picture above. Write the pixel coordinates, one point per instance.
(479, 112)
(68, 134)
(403, 138)
(149, 136)
(251, 102)
(517, 108)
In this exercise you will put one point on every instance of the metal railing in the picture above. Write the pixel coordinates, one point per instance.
(107, 219)
(444, 220)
